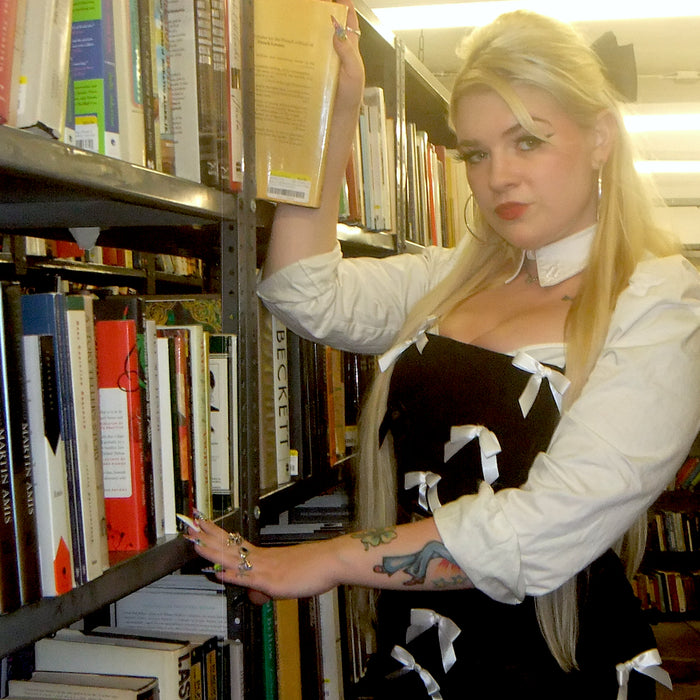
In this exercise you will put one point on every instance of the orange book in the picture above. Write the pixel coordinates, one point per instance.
(122, 421)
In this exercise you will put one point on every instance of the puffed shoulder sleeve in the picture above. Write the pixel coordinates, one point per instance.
(614, 451)
(355, 304)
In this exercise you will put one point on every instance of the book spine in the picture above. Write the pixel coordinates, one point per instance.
(121, 419)
(206, 94)
(222, 103)
(235, 162)
(45, 314)
(281, 393)
(89, 462)
(50, 477)
(11, 30)
(19, 451)
(149, 84)
(93, 78)
(183, 81)
(127, 62)
(9, 578)
(162, 48)
(41, 101)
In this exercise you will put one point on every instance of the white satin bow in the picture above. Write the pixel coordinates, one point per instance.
(558, 383)
(420, 339)
(409, 664)
(422, 620)
(460, 435)
(427, 488)
(647, 663)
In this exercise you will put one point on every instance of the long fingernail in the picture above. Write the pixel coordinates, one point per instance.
(193, 540)
(339, 29)
(188, 521)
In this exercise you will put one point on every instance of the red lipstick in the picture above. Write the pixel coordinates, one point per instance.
(509, 211)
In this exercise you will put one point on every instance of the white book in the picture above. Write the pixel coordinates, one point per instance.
(84, 686)
(49, 475)
(81, 351)
(166, 436)
(223, 369)
(154, 424)
(43, 82)
(281, 388)
(331, 645)
(183, 86)
(130, 104)
(72, 650)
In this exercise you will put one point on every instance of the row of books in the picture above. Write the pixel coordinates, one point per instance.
(688, 476)
(176, 632)
(180, 265)
(118, 412)
(436, 186)
(668, 591)
(151, 82)
(674, 531)
(310, 397)
(158, 83)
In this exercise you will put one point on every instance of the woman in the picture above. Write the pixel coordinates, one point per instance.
(538, 390)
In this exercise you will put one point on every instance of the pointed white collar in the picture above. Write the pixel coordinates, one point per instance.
(560, 260)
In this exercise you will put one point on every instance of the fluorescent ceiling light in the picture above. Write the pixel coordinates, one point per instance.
(637, 123)
(655, 167)
(474, 14)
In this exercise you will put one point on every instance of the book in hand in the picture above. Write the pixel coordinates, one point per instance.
(296, 73)
(104, 652)
(90, 686)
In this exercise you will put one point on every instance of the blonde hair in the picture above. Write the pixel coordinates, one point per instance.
(523, 47)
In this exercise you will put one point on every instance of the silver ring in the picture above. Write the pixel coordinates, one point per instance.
(245, 566)
(233, 538)
(354, 31)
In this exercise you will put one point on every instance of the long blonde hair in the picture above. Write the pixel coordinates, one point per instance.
(526, 48)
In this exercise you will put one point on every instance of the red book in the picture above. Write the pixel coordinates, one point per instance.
(122, 423)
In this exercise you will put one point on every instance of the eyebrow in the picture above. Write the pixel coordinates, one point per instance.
(471, 143)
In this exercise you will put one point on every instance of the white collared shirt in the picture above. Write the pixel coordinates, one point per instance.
(615, 449)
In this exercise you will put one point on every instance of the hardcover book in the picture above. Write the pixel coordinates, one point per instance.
(16, 445)
(129, 525)
(295, 85)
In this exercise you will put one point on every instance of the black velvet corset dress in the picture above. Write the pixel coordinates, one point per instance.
(499, 651)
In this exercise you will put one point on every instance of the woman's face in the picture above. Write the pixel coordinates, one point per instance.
(532, 192)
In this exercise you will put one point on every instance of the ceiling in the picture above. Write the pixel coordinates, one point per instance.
(663, 50)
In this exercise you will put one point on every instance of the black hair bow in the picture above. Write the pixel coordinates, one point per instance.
(619, 64)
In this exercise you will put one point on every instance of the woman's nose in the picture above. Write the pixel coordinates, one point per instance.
(502, 171)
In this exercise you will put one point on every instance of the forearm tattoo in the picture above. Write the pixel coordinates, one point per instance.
(373, 538)
(416, 566)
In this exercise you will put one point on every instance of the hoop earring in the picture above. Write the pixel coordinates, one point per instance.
(470, 204)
